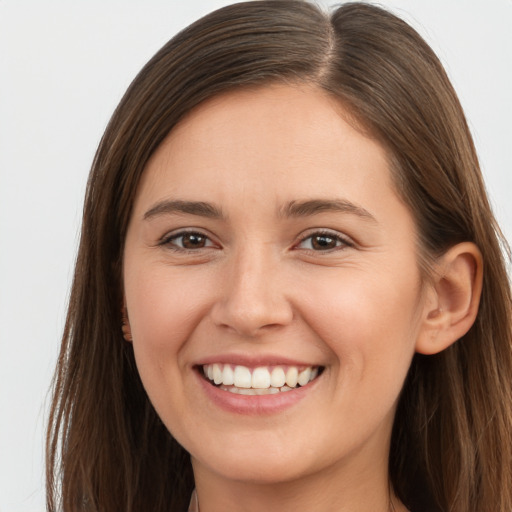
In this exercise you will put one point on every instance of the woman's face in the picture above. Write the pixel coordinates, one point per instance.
(266, 245)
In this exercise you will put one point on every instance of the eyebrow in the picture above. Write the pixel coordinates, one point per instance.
(198, 208)
(292, 209)
(316, 206)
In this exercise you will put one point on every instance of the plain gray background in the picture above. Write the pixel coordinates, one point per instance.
(63, 68)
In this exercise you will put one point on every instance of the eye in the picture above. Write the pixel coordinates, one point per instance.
(323, 241)
(188, 240)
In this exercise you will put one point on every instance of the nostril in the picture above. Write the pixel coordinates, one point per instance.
(252, 298)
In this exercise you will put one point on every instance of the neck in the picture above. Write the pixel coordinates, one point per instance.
(326, 491)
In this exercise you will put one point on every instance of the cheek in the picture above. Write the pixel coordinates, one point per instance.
(366, 319)
(162, 304)
(164, 308)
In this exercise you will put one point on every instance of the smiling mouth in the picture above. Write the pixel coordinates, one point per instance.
(262, 380)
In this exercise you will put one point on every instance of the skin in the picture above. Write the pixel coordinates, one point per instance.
(256, 286)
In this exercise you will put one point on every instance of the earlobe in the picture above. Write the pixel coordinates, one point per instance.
(453, 298)
(125, 326)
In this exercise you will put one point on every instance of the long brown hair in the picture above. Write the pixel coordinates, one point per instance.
(106, 447)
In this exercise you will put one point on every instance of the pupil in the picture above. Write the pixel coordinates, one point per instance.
(323, 242)
(193, 241)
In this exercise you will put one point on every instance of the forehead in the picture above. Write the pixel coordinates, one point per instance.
(281, 136)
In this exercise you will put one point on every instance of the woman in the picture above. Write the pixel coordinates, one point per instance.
(287, 218)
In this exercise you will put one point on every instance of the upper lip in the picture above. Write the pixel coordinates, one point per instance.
(253, 361)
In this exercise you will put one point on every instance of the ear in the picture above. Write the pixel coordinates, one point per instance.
(125, 327)
(452, 300)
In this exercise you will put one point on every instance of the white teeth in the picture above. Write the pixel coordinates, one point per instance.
(292, 376)
(217, 374)
(242, 391)
(278, 377)
(304, 376)
(242, 377)
(261, 380)
(228, 377)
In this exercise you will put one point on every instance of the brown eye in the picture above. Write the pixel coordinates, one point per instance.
(323, 242)
(193, 241)
(188, 240)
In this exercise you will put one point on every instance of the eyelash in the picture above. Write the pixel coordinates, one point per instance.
(170, 241)
(341, 242)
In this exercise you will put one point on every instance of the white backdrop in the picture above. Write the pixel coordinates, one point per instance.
(63, 68)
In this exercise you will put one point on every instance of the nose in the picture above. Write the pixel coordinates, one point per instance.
(252, 296)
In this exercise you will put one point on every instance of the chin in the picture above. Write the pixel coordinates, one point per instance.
(260, 461)
(259, 470)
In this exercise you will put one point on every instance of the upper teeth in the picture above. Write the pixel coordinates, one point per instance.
(262, 377)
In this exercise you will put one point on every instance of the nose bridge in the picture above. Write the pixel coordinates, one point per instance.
(253, 295)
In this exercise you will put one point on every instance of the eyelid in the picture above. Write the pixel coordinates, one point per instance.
(343, 240)
(340, 237)
(167, 239)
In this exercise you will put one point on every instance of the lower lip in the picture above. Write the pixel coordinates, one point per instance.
(255, 404)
